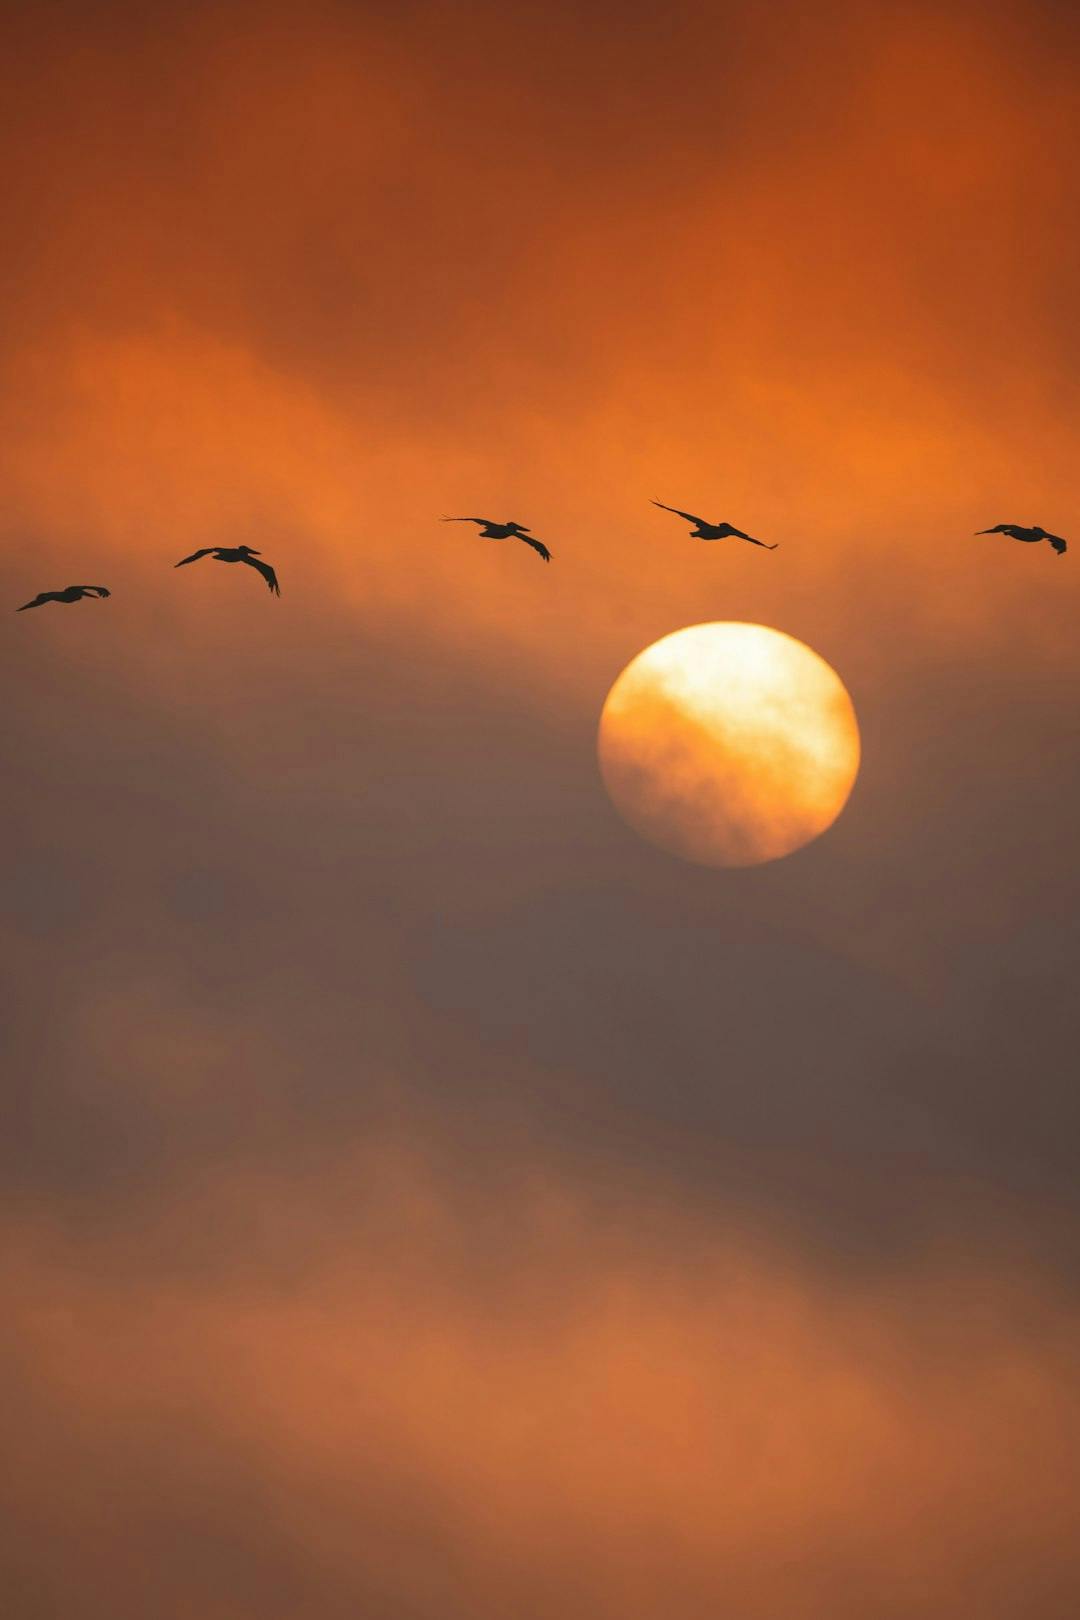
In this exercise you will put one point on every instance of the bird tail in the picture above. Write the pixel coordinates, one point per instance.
(1060, 546)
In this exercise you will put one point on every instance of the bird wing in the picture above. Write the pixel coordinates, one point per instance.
(267, 573)
(486, 522)
(689, 516)
(537, 545)
(1060, 546)
(739, 535)
(91, 590)
(43, 596)
(207, 551)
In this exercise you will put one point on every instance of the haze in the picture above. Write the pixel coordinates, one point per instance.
(426, 1199)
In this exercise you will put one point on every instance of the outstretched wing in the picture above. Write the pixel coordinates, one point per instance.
(485, 522)
(267, 573)
(537, 545)
(689, 516)
(739, 535)
(207, 551)
(91, 590)
(44, 596)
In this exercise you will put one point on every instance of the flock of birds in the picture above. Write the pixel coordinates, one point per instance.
(490, 530)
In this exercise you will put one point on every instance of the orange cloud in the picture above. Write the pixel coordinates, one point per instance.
(285, 876)
(576, 1424)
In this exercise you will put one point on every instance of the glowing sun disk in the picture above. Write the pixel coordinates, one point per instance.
(729, 744)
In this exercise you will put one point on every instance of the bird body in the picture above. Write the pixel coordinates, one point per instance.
(237, 554)
(703, 530)
(490, 530)
(1016, 531)
(70, 593)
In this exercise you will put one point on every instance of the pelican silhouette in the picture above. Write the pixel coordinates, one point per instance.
(234, 554)
(70, 593)
(1016, 531)
(713, 531)
(490, 530)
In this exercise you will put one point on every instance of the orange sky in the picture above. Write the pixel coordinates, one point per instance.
(428, 1200)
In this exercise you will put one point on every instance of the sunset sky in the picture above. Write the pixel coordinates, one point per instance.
(425, 1199)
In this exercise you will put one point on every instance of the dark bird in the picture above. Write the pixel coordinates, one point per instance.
(231, 554)
(1016, 531)
(70, 593)
(490, 530)
(713, 531)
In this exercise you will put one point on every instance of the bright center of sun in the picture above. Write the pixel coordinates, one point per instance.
(729, 744)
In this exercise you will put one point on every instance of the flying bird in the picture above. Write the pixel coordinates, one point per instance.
(713, 531)
(234, 554)
(1016, 531)
(70, 593)
(490, 530)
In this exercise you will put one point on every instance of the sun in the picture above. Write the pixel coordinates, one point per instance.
(729, 744)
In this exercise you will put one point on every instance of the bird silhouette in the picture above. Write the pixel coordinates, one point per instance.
(1016, 531)
(237, 554)
(713, 531)
(490, 530)
(70, 593)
